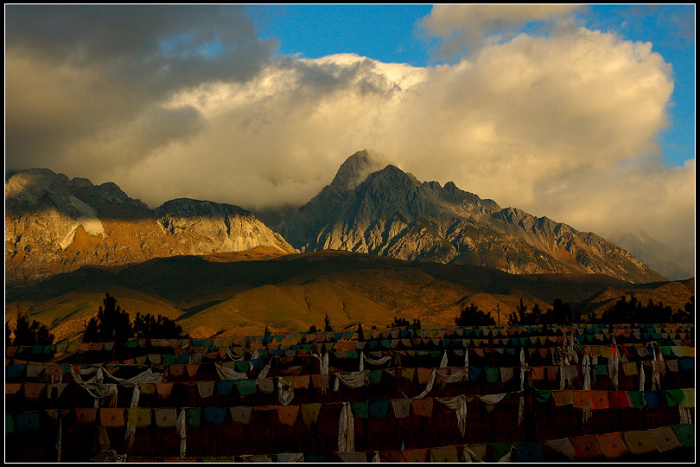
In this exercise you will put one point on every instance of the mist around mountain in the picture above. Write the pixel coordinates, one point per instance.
(660, 257)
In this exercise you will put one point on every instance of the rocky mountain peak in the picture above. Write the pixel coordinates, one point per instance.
(391, 213)
(357, 168)
(55, 225)
(30, 185)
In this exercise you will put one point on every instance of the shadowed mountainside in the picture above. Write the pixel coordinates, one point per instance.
(241, 293)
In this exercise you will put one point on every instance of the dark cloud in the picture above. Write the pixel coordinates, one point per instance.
(76, 72)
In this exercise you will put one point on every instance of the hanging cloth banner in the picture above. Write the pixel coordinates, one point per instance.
(226, 373)
(586, 447)
(457, 375)
(130, 425)
(288, 414)
(473, 453)
(165, 417)
(181, 430)
(612, 445)
(664, 438)
(346, 429)
(241, 414)
(639, 442)
(85, 416)
(422, 407)
(459, 405)
(352, 380)
(402, 407)
(562, 446)
(309, 413)
(205, 388)
(285, 389)
(562, 397)
(378, 409)
(492, 398)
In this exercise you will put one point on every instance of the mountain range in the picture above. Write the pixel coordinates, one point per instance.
(55, 225)
(391, 213)
(379, 242)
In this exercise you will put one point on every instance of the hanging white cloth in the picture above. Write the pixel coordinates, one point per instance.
(657, 360)
(263, 373)
(614, 365)
(523, 372)
(235, 358)
(182, 431)
(355, 379)
(285, 389)
(429, 386)
(443, 362)
(457, 375)
(586, 367)
(642, 377)
(459, 405)
(229, 373)
(686, 415)
(77, 377)
(102, 391)
(346, 429)
(372, 361)
(142, 378)
(325, 362)
(507, 456)
(492, 398)
(131, 429)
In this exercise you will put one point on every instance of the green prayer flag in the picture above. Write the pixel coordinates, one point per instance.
(193, 417)
(360, 409)
(375, 376)
(636, 399)
(674, 396)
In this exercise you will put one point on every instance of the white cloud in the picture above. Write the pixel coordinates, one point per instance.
(473, 26)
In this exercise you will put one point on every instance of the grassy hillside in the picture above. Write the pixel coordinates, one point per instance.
(239, 294)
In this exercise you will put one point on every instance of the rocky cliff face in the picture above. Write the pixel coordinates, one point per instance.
(391, 213)
(54, 225)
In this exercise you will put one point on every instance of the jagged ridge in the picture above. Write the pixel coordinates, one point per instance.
(391, 213)
(55, 225)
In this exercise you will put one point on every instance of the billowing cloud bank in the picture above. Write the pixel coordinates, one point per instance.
(562, 124)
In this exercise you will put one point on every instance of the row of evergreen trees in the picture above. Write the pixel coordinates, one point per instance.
(114, 324)
(623, 311)
(27, 332)
(111, 324)
(633, 311)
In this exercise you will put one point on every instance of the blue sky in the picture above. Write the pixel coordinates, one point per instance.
(392, 33)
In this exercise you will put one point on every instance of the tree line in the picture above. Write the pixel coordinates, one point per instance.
(111, 324)
(114, 324)
(623, 311)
